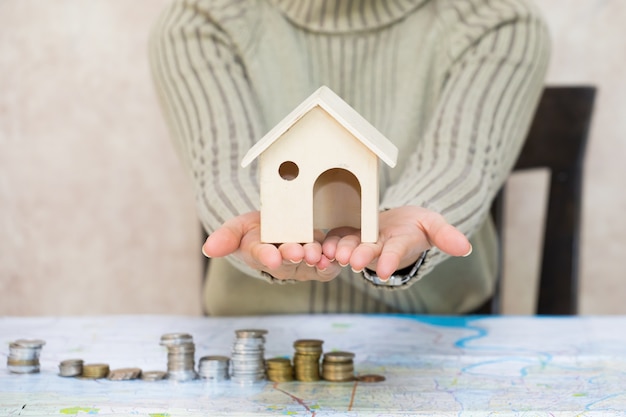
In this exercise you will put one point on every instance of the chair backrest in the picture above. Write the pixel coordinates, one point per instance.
(557, 141)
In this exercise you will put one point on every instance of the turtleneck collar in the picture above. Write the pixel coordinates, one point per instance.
(337, 16)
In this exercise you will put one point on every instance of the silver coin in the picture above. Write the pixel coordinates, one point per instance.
(181, 376)
(170, 339)
(30, 343)
(250, 333)
(28, 369)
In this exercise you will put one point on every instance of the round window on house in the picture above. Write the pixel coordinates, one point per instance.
(288, 170)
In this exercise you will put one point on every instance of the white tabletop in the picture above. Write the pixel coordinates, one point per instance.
(511, 366)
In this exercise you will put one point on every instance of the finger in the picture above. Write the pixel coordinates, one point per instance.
(228, 238)
(364, 255)
(333, 237)
(345, 247)
(266, 255)
(445, 237)
(222, 242)
(329, 246)
(312, 253)
(324, 263)
(388, 263)
(292, 252)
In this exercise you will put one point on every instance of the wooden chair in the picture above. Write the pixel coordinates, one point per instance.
(556, 141)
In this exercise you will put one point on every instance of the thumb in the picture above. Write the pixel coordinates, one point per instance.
(222, 242)
(227, 239)
(446, 237)
(450, 240)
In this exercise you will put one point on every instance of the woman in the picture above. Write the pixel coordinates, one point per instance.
(453, 84)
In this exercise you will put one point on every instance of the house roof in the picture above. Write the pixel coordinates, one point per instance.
(345, 115)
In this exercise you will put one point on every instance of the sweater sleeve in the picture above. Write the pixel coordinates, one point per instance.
(497, 59)
(209, 105)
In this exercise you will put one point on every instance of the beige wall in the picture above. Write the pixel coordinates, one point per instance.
(96, 215)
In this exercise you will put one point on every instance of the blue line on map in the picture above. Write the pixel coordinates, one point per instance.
(468, 323)
(589, 406)
(462, 322)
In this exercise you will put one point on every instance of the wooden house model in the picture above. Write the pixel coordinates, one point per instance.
(318, 169)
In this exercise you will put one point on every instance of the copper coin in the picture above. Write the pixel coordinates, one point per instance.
(370, 378)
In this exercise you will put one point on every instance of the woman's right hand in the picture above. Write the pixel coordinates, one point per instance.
(241, 237)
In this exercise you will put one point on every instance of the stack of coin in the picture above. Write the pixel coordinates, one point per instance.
(124, 374)
(24, 356)
(338, 366)
(247, 365)
(71, 367)
(213, 368)
(306, 360)
(95, 370)
(180, 356)
(279, 370)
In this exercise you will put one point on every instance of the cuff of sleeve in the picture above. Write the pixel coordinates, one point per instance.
(267, 277)
(400, 278)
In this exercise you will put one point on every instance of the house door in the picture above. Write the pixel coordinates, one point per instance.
(336, 200)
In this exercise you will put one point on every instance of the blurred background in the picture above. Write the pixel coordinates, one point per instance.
(97, 216)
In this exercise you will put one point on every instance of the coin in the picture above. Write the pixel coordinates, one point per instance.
(279, 369)
(23, 356)
(214, 368)
(180, 356)
(95, 370)
(30, 343)
(152, 375)
(306, 359)
(338, 356)
(71, 367)
(246, 360)
(22, 362)
(124, 374)
(338, 366)
(250, 333)
(176, 339)
(370, 378)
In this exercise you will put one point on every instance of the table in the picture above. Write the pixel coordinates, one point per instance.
(435, 366)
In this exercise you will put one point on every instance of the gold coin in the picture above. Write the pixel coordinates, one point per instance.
(308, 343)
(95, 370)
(340, 378)
(22, 362)
(337, 366)
(278, 362)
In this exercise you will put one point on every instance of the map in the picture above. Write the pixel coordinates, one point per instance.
(435, 366)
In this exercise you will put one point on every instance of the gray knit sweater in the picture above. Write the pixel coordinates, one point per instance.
(453, 83)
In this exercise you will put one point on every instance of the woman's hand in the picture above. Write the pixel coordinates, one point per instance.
(404, 233)
(241, 236)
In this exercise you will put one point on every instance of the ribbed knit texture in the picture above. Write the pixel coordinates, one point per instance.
(453, 84)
